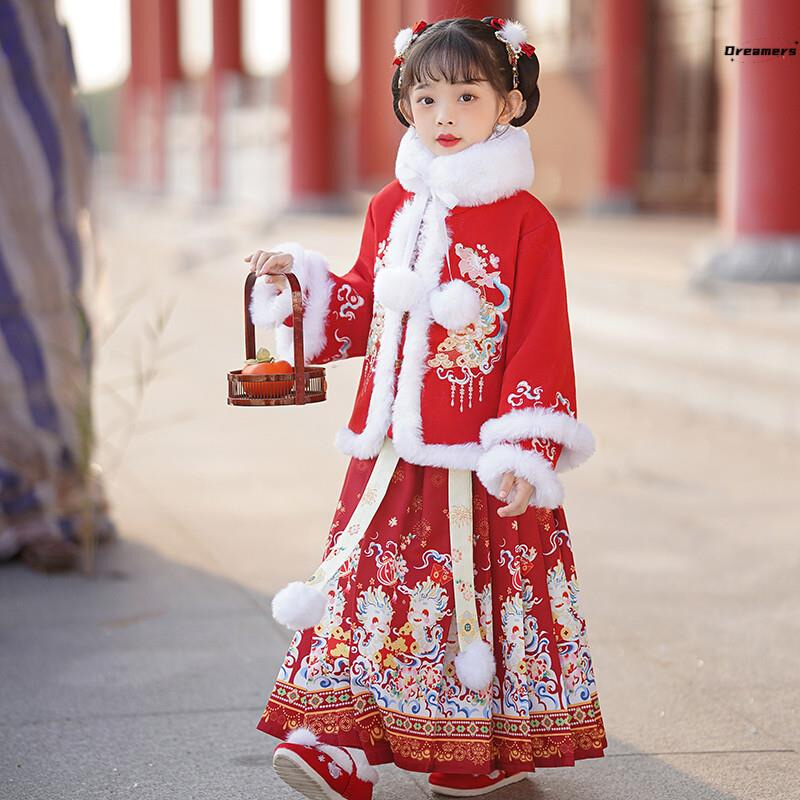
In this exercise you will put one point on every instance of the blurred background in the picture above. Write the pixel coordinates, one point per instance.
(148, 146)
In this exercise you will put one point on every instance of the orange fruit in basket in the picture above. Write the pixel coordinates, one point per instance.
(265, 364)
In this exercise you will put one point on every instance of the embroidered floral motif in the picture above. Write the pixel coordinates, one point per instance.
(470, 354)
(376, 325)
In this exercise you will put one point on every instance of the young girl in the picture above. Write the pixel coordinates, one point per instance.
(442, 631)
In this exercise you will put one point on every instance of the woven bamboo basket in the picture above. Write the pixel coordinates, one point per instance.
(306, 384)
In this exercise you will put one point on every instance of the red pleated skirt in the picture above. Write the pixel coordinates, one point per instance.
(378, 672)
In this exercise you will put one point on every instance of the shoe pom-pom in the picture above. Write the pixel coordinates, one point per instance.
(303, 735)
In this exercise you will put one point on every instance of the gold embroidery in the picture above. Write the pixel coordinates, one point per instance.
(468, 355)
(542, 738)
(378, 313)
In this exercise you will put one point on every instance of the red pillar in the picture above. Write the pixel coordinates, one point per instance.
(166, 70)
(226, 65)
(760, 161)
(379, 131)
(620, 89)
(155, 66)
(309, 105)
(127, 118)
(444, 9)
(764, 164)
(227, 36)
(410, 12)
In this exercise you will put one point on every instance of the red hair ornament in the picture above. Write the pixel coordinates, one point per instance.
(402, 41)
(514, 36)
(510, 32)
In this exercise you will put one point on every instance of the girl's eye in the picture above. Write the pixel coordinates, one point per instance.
(422, 100)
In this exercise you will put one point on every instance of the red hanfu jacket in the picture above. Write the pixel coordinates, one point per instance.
(457, 302)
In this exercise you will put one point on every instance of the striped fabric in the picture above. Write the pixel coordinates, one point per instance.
(45, 336)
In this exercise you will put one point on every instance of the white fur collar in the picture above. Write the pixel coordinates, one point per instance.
(481, 173)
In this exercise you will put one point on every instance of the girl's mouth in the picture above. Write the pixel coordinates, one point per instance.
(448, 141)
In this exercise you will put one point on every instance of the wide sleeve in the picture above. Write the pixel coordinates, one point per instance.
(337, 309)
(535, 432)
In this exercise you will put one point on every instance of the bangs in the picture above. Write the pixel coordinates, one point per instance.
(451, 56)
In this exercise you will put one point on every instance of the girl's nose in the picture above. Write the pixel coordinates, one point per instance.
(445, 117)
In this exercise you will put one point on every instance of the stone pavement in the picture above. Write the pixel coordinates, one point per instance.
(147, 679)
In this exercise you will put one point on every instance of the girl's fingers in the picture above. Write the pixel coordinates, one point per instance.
(513, 510)
(506, 484)
(522, 495)
(277, 265)
(270, 262)
(260, 261)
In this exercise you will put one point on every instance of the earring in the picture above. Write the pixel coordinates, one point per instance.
(499, 130)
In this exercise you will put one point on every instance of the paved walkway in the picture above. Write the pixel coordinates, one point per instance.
(147, 680)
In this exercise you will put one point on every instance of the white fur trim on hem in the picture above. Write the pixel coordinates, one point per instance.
(268, 308)
(526, 464)
(529, 423)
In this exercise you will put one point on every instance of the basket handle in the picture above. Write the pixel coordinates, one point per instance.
(297, 328)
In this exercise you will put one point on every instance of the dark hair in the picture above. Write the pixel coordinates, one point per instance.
(464, 49)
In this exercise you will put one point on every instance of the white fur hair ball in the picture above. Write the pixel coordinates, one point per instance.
(399, 289)
(475, 665)
(514, 32)
(402, 39)
(455, 304)
(299, 606)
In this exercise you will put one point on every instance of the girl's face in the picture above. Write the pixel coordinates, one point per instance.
(449, 117)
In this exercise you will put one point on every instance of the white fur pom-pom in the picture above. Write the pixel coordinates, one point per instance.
(514, 32)
(303, 735)
(475, 665)
(402, 39)
(399, 289)
(299, 606)
(455, 304)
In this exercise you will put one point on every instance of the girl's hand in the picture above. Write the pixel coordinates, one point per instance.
(273, 264)
(523, 494)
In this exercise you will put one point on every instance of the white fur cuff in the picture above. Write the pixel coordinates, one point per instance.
(530, 423)
(526, 464)
(268, 307)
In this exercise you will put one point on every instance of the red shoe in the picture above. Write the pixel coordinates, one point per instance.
(322, 771)
(455, 785)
